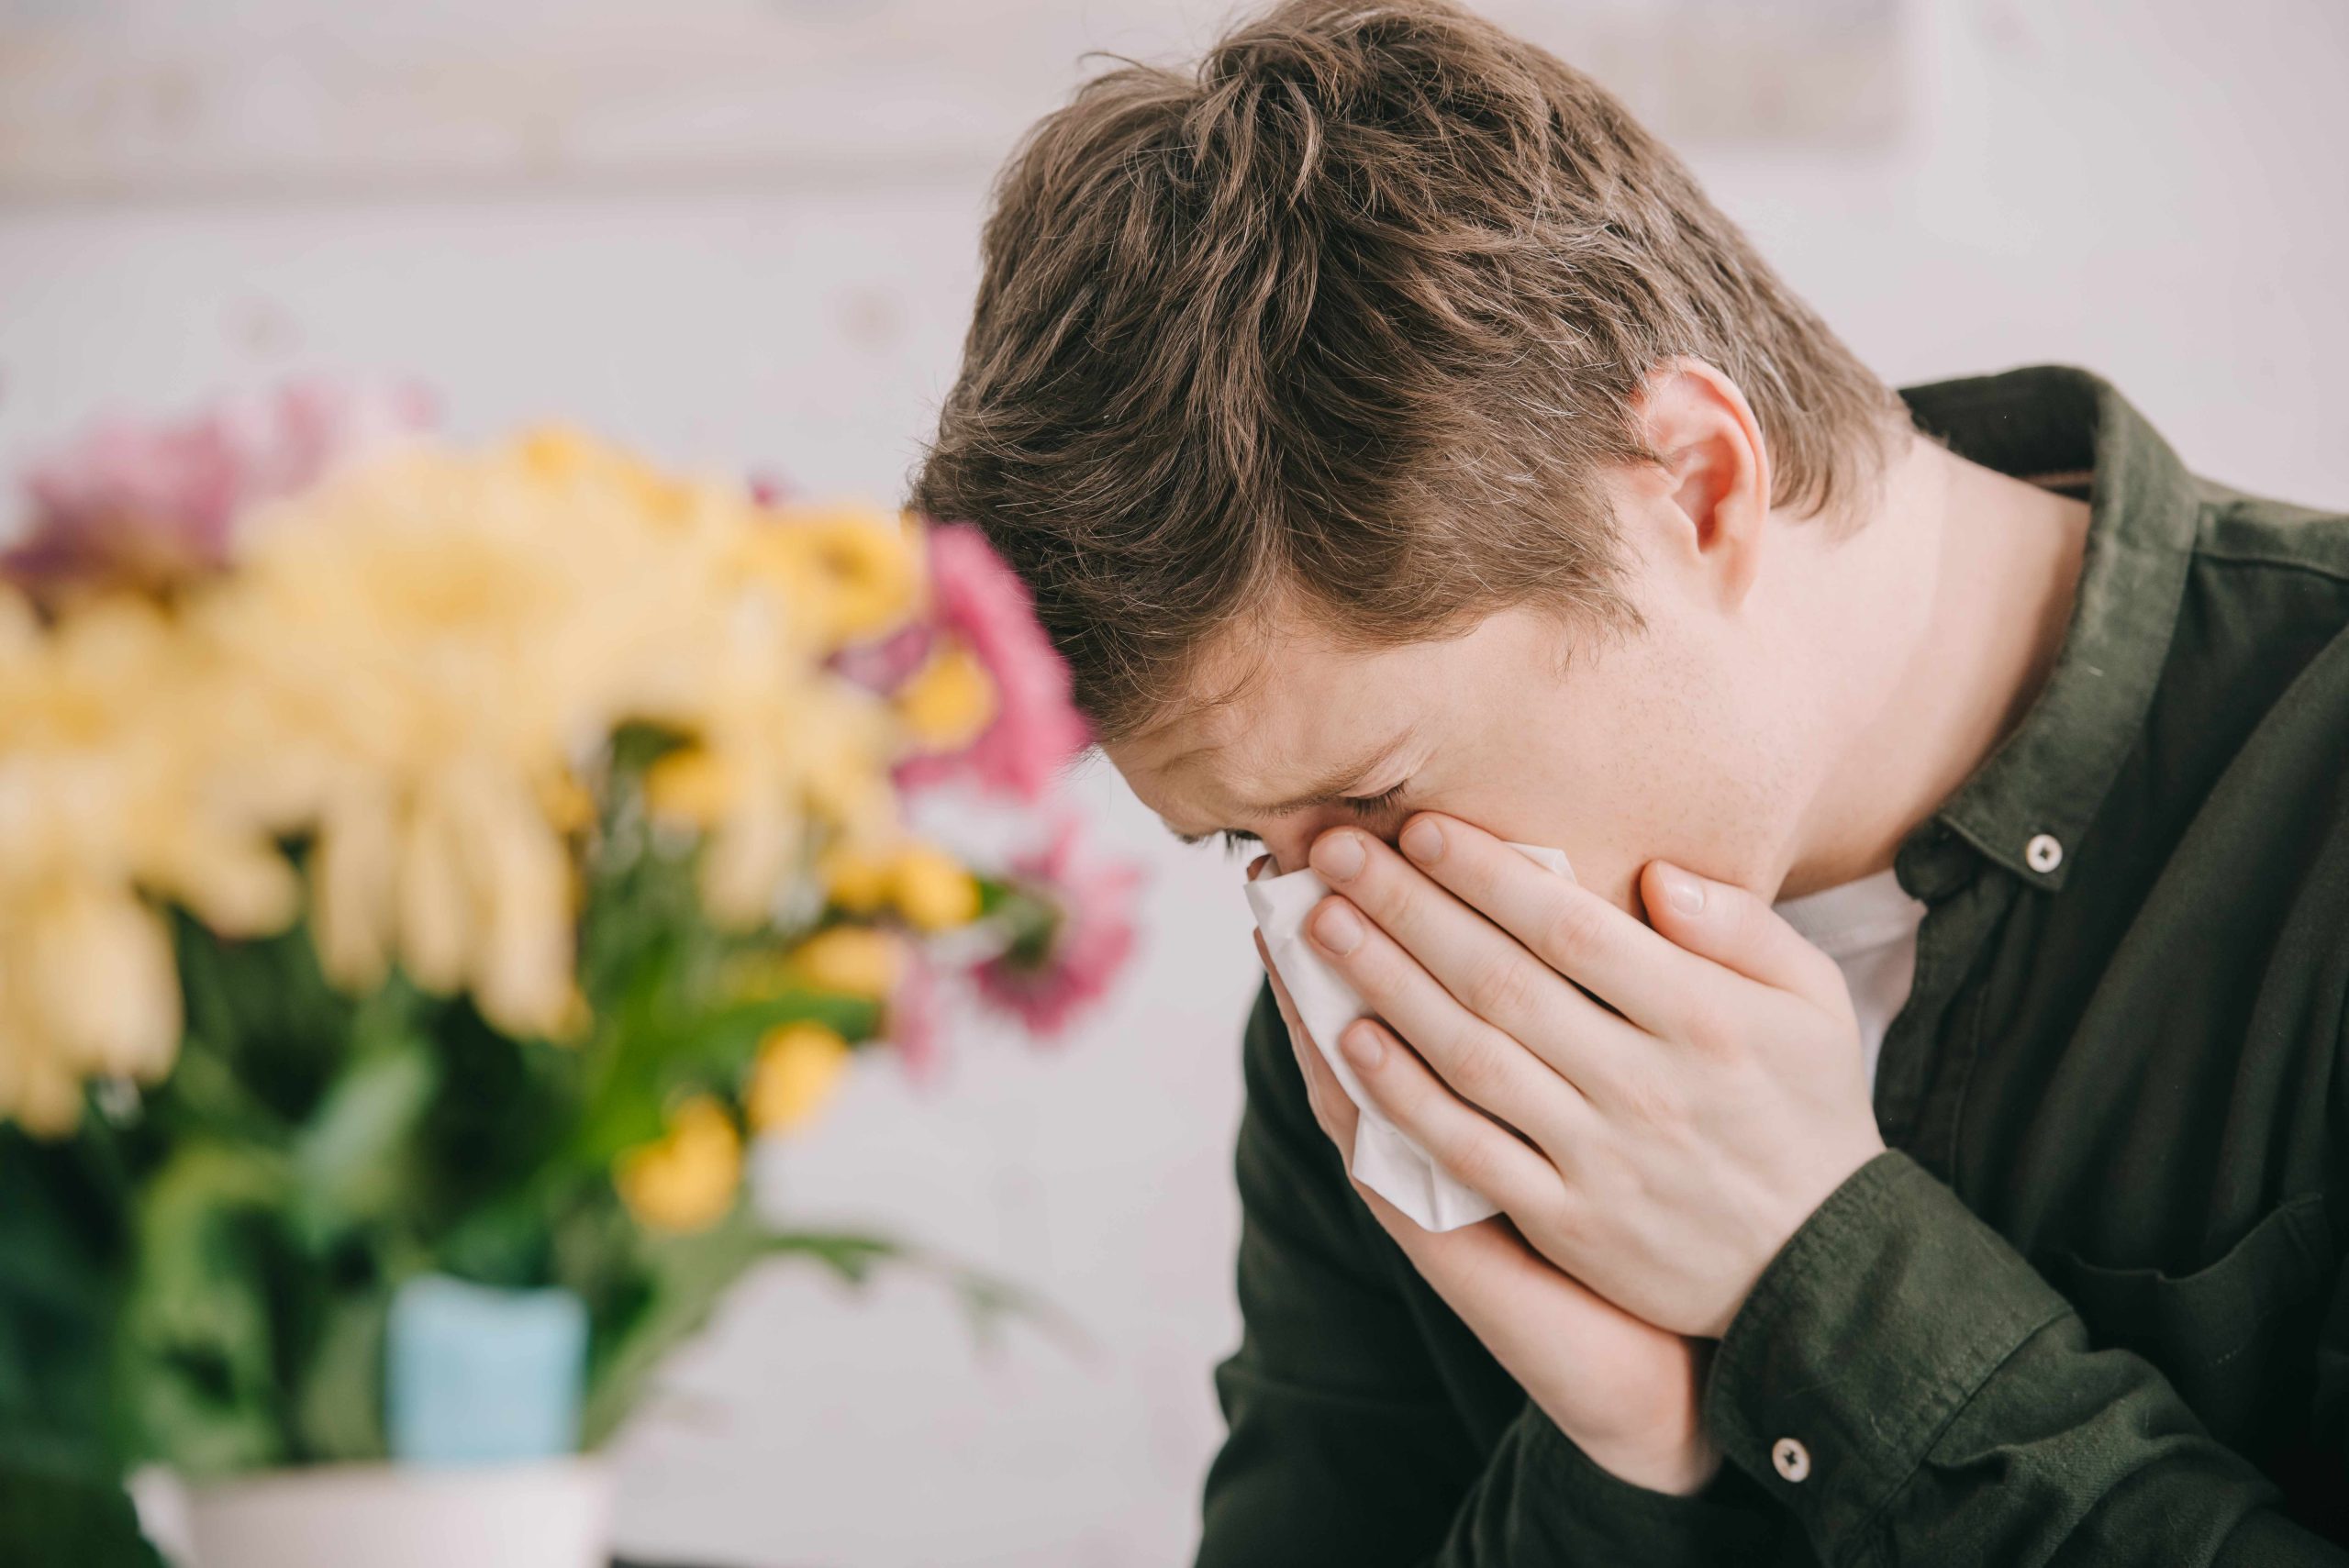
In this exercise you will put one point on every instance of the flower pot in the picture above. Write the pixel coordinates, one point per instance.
(554, 1514)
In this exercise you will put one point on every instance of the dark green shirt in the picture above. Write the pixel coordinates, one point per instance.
(2089, 1305)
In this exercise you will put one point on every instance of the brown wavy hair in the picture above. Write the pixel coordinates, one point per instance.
(1346, 318)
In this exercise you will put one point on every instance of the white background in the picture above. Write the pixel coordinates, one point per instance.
(2155, 190)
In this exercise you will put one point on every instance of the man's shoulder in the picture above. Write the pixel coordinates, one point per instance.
(2238, 528)
(2264, 622)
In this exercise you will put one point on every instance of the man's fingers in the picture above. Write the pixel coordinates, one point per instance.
(1725, 923)
(1483, 1064)
(1476, 1150)
(1486, 969)
(1573, 930)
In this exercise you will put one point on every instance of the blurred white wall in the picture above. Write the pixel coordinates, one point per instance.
(2155, 190)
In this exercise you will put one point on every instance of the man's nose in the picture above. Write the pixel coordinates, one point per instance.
(1286, 846)
(1289, 842)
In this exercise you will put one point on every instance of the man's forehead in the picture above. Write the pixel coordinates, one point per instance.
(1284, 735)
(1201, 746)
(1230, 692)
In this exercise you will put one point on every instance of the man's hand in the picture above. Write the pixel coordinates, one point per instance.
(1658, 1110)
(1626, 1392)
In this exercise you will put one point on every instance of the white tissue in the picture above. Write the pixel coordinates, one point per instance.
(1385, 1158)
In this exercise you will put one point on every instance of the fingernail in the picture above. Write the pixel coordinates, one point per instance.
(1424, 842)
(1687, 894)
(1362, 1047)
(1336, 928)
(1338, 856)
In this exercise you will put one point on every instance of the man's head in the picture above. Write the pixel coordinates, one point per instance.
(1377, 400)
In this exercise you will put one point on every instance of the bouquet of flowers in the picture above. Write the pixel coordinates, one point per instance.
(422, 868)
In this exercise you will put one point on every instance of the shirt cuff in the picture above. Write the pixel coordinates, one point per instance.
(1871, 1329)
(1588, 1514)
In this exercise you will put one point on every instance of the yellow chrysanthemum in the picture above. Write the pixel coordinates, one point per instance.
(692, 787)
(855, 573)
(949, 702)
(685, 1180)
(931, 889)
(928, 887)
(442, 637)
(563, 456)
(799, 1067)
(414, 665)
(113, 785)
(424, 630)
(567, 804)
(855, 879)
(857, 960)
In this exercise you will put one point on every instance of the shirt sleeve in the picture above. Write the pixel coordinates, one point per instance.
(1345, 1444)
(1913, 1390)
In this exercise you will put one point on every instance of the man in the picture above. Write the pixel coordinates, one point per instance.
(1408, 458)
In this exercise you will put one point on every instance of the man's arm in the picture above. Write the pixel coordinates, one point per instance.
(1344, 1445)
(1949, 1408)
(1891, 1369)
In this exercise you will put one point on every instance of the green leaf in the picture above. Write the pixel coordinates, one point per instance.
(712, 1048)
(262, 1011)
(990, 1300)
(685, 1277)
(64, 1231)
(199, 1347)
(47, 1518)
(339, 1407)
(350, 1164)
(854, 1258)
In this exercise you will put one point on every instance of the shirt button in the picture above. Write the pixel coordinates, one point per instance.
(2042, 854)
(1792, 1459)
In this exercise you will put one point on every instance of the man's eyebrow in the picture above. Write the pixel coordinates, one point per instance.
(1339, 782)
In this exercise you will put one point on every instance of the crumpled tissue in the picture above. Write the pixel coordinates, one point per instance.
(1385, 1158)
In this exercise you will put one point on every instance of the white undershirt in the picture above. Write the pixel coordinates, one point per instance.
(1869, 928)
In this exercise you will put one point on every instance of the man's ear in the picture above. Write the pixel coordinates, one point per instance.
(1713, 471)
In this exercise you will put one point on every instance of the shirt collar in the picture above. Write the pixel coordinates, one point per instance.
(2028, 804)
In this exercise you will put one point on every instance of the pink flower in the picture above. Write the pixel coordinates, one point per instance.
(912, 1021)
(151, 503)
(1052, 973)
(886, 665)
(1036, 728)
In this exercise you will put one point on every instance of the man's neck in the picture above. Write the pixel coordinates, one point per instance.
(2002, 560)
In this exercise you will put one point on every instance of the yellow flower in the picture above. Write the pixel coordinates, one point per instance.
(566, 457)
(567, 804)
(857, 960)
(441, 639)
(114, 784)
(927, 886)
(435, 637)
(799, 1067)
(692, 787)
(413, 666)
(685, 1180)
(932, 889)
(855, 574)
(949, 702)
(855, 880)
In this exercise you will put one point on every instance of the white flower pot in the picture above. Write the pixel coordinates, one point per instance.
(555, 1514)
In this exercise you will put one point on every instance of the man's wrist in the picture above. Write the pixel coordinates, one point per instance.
(1875, 1323)
(1672, 1470)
